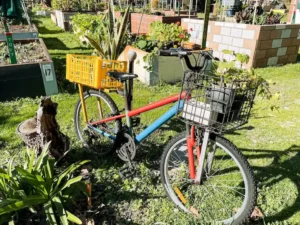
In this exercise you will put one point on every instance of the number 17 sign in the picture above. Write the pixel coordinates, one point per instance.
(48, 72)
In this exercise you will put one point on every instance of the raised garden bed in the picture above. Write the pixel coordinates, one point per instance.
(43, 13)
(63, 18)
(34, 74)
(267, 45)
(20, 32)
(164, 68)
(142, 27)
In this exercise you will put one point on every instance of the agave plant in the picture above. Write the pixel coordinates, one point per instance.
(36, 186)
(113, 36)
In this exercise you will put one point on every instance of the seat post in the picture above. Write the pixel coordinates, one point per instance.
(131, 57)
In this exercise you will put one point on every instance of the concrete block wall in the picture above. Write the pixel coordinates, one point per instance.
(266, 45)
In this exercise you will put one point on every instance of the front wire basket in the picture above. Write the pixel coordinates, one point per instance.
(214, 103)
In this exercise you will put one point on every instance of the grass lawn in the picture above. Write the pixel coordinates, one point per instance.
(270, 141)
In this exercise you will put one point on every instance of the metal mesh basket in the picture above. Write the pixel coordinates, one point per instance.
(214, 103)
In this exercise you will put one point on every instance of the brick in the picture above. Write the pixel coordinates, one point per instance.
(236, 32)
(219, 24)
(264, 35)
(248, 34)
(250, 44)
(238, 42)
(276, 43)
(281, 51)
(292, 50)
(225, 31)
(282, 59)
(213, 45)
(294, 32)
(267, 27)
(217, 38)
(272, 61)
(261, 63)
(229, 24)
(286, 33)
(226, 40)
(240, 25)
(222, 47)
(216, 29)
(287, 42)
(253, 27)
(245, 51)
(235, 49)
(271, 52)
(292, 58)
(280, 27)
(260, 54)
(296, 42)
(275, 34)
(265, 44)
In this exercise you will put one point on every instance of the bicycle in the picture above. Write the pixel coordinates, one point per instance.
(195, 163)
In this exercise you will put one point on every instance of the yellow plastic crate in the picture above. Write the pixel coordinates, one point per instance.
(92, 71)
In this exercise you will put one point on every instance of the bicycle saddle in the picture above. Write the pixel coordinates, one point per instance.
(120, 76)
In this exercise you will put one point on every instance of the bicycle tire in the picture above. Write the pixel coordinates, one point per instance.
(91, 140)
(243, 213)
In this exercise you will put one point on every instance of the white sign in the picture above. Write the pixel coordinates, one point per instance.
(48, 72)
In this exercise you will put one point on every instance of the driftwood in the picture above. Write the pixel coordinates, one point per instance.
(38, 131)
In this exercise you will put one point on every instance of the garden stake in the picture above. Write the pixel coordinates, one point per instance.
(206, 18)
(10, 42)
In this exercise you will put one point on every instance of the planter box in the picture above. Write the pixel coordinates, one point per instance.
(18, 34)
(63, 19)
(28, 79)
(143, 21)
(164, 68)
(53, 17)
(267, 45)
(43, 13)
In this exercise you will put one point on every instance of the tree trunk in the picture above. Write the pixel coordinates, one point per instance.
(36, 132)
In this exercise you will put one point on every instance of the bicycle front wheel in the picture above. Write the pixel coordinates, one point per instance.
(227, 193)
(98, 106)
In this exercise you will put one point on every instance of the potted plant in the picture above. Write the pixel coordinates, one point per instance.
(65, 9)
(232, 86)
(34, 70)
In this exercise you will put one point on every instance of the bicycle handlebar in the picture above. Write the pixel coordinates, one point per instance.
(183, 53)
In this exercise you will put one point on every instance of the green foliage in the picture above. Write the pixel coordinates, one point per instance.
(40, 7)
(245, 78)
(87, 24)
(72, 5)
(36, 185)
(164, 34)
(113, 35)
(144, 43)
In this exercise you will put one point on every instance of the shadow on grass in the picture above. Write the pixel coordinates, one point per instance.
(44, 30)
(276, 172)
(298, 58)
(56, 44)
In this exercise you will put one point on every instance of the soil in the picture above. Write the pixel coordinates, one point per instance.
(31, 52)
(19, 29)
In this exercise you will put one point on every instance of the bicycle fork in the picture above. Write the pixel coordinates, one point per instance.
(200, 152)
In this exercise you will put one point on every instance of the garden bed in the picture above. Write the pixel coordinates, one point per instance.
(32, 76)
(267, 45)
(142, 27)
(63, 18)
(164, 68)
(20, 32)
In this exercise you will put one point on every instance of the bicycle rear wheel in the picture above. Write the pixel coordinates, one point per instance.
(98, 106)
(227, 193)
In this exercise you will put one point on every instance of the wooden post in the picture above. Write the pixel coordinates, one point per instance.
(205, 26)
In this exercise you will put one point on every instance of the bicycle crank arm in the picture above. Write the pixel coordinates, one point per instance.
(202, 157)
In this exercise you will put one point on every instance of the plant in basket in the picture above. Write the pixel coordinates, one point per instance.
(232, 89)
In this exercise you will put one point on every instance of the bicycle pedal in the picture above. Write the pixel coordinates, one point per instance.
(126, 172)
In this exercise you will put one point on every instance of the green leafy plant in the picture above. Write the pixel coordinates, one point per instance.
(37, 186)
(87, 24)
(113, 36)
(233, 72)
